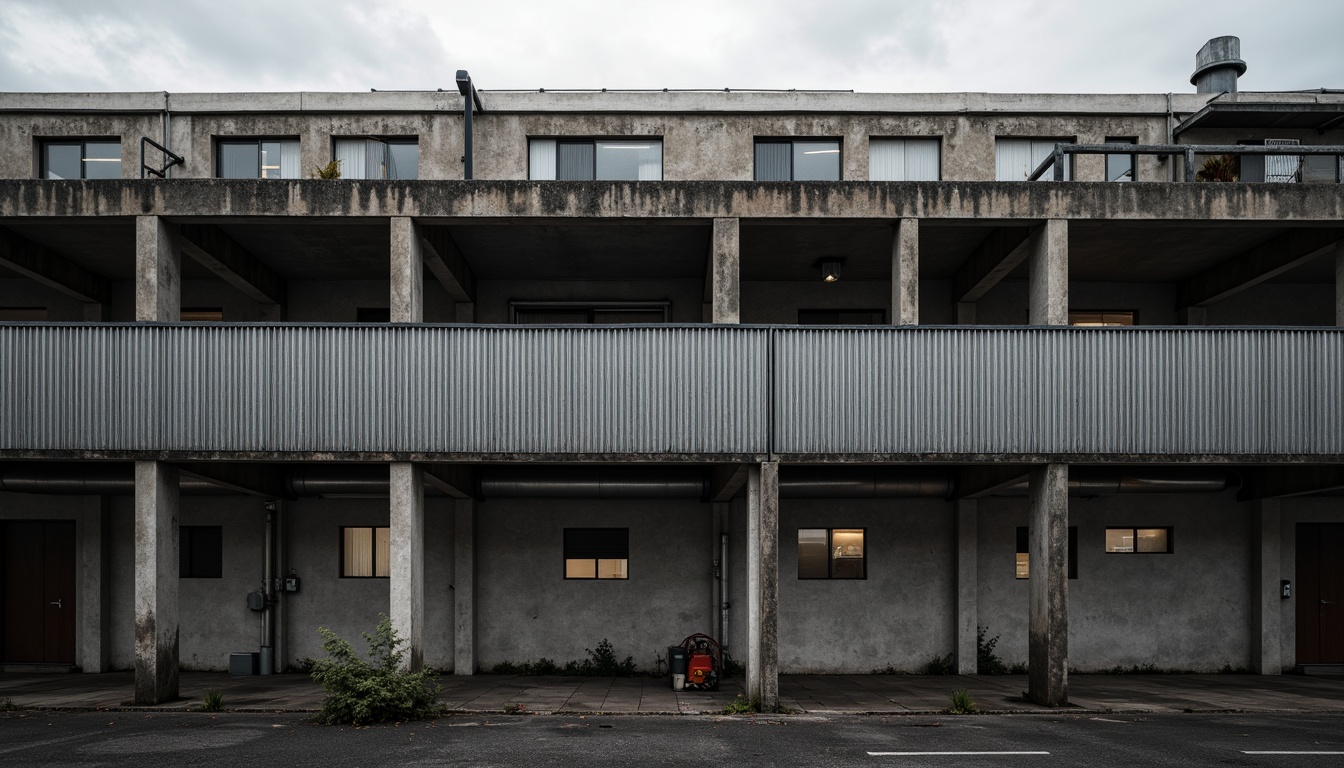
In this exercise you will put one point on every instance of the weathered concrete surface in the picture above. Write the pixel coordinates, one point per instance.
(1048, 615)
(464, 587)
(407, 586)
(725, 278)
(1049, 270)
(968, 585)
(905, 273)
(763, 584)
(94, 584)
(156, 582)
(447, 201)
(407, 299)
(158, 272)
(1266, 655)
(1339, 283)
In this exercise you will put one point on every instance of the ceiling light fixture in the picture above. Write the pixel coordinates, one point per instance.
(830, 269)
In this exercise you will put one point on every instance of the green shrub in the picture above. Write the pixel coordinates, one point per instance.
(331, 170)
(601, 662)
(962, 703)
(941, 665)
(742, 706)
(8, 705)
(376, 690)
(213, 701)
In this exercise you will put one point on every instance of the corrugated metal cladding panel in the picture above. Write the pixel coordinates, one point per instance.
(663, 389)
(1036, 390)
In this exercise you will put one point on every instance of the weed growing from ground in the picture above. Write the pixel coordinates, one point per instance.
(213, 701)
(601, 662)
(8, 705)
(941, 665)
(962, 703)
(742, 706)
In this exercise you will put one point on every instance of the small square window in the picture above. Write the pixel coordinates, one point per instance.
(200, 551)
(597, 553)
(797, 160)
(832, 553)
(1143, 541)
(81, 159)
(366, 552)
(1022, 563)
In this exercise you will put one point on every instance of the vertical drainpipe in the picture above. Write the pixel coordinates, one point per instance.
(268, 589)
(167, 128)
(1171, 138)
(723, 584)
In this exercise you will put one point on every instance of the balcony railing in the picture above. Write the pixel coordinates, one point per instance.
(1055, 161)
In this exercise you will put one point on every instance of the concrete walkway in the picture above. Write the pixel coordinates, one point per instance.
(853, 694)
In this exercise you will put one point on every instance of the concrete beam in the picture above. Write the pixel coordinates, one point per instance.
(996, 256)
(406, 491)
(464, 587)
(35, 262)
(977, 480)
(1048, 615)
(763, 584)
(156, 577)
(1282, 482)
(267, 482)
(447, 264)
(968, 586)
(726, 480)
(1266, 630)
(158, 272)
(215, 250)
(1049, 281)
(407, 300)
(456, 480)
(905, 273)
(1250, 268)
(725, 269)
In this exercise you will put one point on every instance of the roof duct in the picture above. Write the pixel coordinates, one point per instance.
(1218, 65)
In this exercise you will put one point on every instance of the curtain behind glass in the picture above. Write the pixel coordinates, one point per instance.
(239, 160)
(773, 161)
(541, 159)
(1012, 159)
(629, 160)
(574, 161)
(350, 153)
(382, 561)
(357, 546)
(886, 160)
(289, 159)
(922, 162)
(403, 159)
(1040, 150)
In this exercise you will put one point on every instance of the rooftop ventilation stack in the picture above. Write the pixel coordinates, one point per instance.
(1218, 65)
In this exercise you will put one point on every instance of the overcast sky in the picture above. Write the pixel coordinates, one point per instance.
(1129, 46)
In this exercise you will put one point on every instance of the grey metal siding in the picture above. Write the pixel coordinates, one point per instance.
(1059, 391)
(383, 388)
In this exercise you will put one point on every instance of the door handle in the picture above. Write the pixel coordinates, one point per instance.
(56, 603)
(1327, 602)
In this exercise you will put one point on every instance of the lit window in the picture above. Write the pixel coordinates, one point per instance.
(200, 552)
(832, 553)
(258, 159)
(1085, 319)
(595, 159)
(1022, 566)
(903, 160)
(201, 315)
(1138, 540)
(366, 552)
(1015, 159)
(81, 159)
(597, 553)
(1119, 167)
(797, 160)
(371, 158)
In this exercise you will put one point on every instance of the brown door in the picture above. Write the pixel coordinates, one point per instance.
(1320, 593)
(39, 591)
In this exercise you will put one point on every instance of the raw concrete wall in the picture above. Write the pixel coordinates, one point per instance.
(215, 620)
(526, 609)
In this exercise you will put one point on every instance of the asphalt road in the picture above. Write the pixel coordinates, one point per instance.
(198, 739)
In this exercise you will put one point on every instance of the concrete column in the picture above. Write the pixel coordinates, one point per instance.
(1339, 283)
(464, 587)
(94, 580)
(1266, 630)
(1049, 269)
(158, 272)
(407, 301)
(1048, 619)
(407, 493)
(905, 273)
(968, 585)
(156, 577)
(763, 584)
(965, 313)
(1193, 316)
(725, 267)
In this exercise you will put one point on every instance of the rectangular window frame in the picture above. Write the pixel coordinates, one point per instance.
(1024, 548)
(1034, 140)
(601, 541)
(879, 140)
(258, 141)
(387, 142)
(83, 143)
(553, 173)
(1134, 531)
(1103, 318)
(192, 561)
(791, 141)
(830, 559)
(1133, 159)
(373, 558)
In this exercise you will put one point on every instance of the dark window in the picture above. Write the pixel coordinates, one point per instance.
(832, 553)
(797, 160)
(373, 315)
(841, 317)
(378, 158)
(1142, 541)
(200, 552)
(588, 313)
(1023, 569)
(595, 159)
(1094, 318)
(366, 552)
(201, 315)
(81, 159)
(597, 553)
(23, 313)
(258, 159)
(1119, 167)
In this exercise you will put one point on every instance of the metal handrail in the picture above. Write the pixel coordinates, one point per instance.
(1189, 151)
(173, 159)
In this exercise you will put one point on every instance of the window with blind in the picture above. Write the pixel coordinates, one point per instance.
(257, 159)
(378, 158)
(597, 553)
(81, 159)
(366, 552)
(797, 160)
(904, 160)
(1015, 159)
(595, 159)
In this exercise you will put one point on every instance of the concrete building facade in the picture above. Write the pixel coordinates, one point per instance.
(824, 375)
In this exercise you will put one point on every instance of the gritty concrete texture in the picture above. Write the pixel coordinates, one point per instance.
(156, 583)
(725, 273)
(1049, 270)
(1048, 614)
(968, 585)
(1339, 284)
(158, 269)
(763, 583)
(92, 578)
(407, 300)
(1266, 632)
(464, 587)
(407, 585)
(905, 273)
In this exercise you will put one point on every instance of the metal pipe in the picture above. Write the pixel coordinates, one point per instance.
(724, 604)
(103, 479)
(865, 482)
(470, 99)
(268, 589)
(592, 482)
(1091, 482)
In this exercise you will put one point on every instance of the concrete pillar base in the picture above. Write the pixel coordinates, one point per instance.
(156, 588)
(763, 584)
(1048, 621)
(464, 588)
(407, 588)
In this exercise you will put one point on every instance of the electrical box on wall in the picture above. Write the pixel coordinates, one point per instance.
(291, 583)
(1285, 589)
(256, 601)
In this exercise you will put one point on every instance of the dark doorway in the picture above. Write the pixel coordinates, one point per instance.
(1320, 593)
(38, 569)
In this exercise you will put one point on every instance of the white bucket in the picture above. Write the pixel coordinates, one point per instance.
(678, 682)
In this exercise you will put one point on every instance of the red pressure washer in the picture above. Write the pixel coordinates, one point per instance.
(703, 657)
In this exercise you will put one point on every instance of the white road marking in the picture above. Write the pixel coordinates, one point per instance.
(1284, 752)
(927, 754)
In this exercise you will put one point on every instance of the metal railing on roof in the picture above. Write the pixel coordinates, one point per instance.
(1188, 151)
